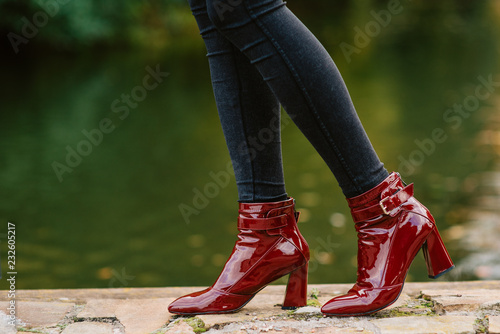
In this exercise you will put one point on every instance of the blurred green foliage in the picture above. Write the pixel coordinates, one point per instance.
(73, 23)
(70, 23)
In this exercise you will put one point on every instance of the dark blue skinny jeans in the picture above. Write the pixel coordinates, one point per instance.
(261, 56)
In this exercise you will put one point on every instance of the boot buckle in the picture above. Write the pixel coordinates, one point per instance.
(384, 210)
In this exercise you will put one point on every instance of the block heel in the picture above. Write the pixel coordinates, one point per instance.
(436, 256)
(296, 290)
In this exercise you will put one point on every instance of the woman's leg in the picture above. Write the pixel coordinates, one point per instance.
(304, 78)
(249, 113)
(269, 243)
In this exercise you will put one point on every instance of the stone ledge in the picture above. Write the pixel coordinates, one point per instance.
(444, 307)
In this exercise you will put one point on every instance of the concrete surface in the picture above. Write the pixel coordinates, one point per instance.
(432, 307)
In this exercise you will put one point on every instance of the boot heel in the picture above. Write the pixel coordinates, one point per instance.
(436, 256)
(296, 290)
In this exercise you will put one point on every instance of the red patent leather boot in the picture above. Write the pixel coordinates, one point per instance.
(269, 246)
(392, 226)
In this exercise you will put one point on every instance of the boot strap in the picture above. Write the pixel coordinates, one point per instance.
(385, 206)
(260, 224)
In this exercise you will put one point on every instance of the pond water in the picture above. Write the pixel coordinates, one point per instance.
(93, 179)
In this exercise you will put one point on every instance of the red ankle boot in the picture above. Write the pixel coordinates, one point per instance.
(392, 226)
(269, 246)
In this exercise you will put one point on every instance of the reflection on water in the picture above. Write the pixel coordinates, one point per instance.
(126, 166)
(478, 237)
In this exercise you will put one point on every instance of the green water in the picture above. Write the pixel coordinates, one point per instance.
(113, 219)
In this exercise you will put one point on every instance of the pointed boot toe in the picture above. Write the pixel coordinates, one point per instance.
(359, 301)
(208, 301)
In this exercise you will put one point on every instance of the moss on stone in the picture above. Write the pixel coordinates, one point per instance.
(481, 325)
(404, 311)
(428, 304)
(313, 302)
(197, 324)
(28, 330)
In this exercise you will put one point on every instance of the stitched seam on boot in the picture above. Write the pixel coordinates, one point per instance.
(421, 215)
(384, 288)
(256, 263)
(230, 293)
(294, 245)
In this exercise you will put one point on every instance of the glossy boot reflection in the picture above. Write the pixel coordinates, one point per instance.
(392, 226)
(269, 246)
